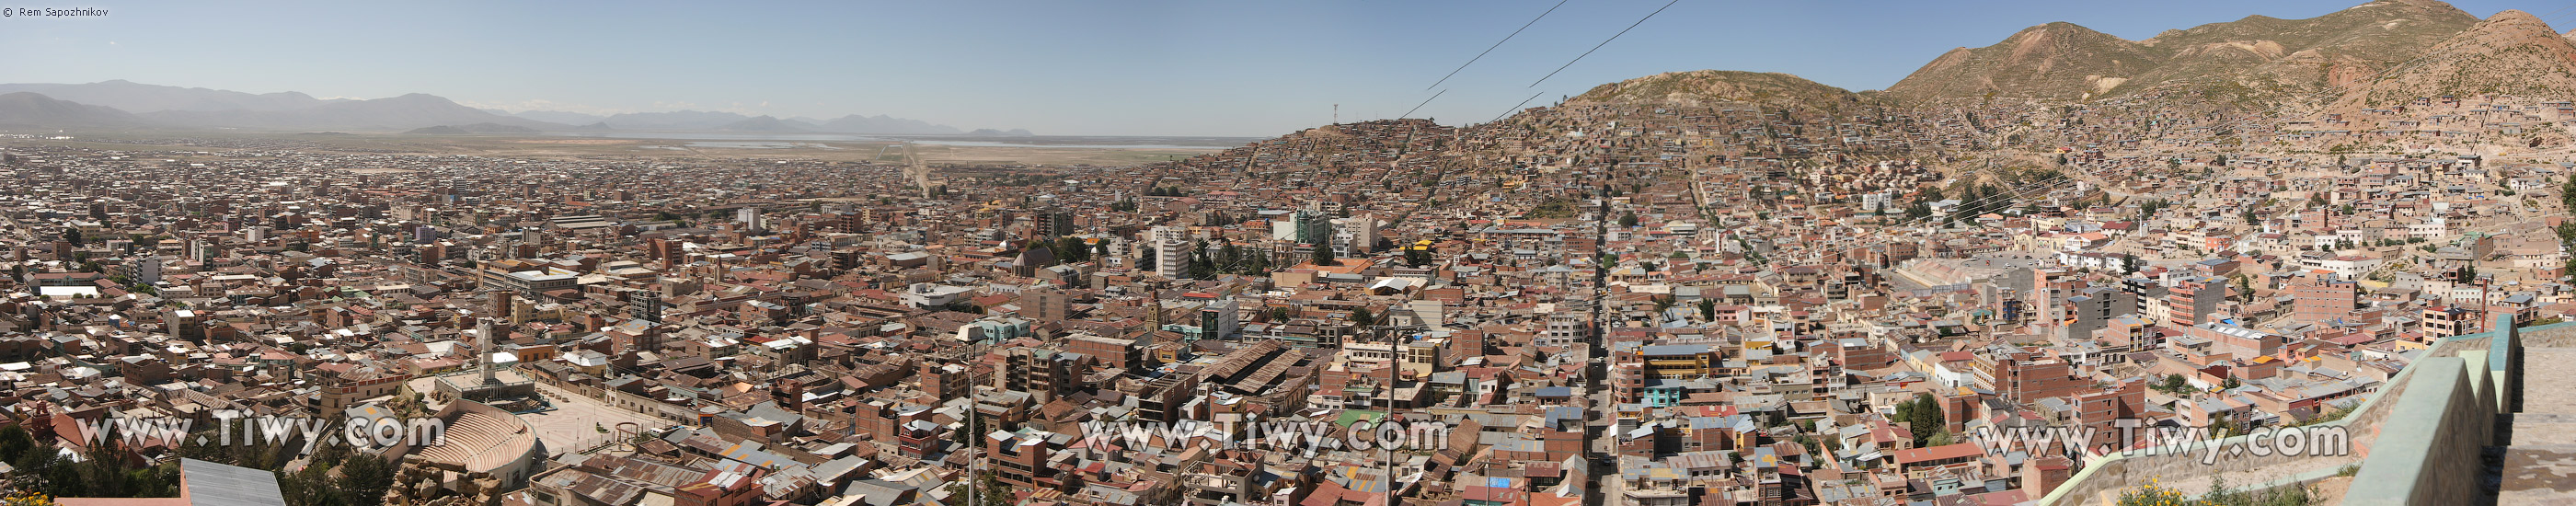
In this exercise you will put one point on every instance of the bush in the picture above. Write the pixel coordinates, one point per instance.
(2155, 494)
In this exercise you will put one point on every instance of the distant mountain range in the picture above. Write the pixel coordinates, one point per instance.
(135, 97)
(762, 124)
(881, 124)
(477, 128)
(703, 120)
(28, 109)
(123, 104)
(398, 113)
(568, 118)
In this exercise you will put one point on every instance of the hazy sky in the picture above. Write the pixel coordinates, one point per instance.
(1219, 67)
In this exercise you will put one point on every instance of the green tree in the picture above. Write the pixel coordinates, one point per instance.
(1201, 267)
(39, 470)
(14, 443)
(1922, 415)
(1229, 256)
(1323, 255)
(1071, 249)
(988, 491)
(311, 486)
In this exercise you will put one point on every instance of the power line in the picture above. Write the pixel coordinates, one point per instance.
(1516, 107)
(1417, 107)
(1490, 49)
(1605, 42)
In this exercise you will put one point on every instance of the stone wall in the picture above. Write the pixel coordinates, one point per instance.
(2102, 479)
(2429, 453)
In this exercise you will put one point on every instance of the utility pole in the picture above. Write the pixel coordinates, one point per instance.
(1394, 366)
(1599, 352)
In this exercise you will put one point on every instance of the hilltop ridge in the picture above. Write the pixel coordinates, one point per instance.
(2253, 58)
(2510, 53)
(1697, 86)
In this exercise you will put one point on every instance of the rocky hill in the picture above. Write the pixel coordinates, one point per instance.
(2053, 61)
(2255, 58)
(1701, 87)
(2511, 53)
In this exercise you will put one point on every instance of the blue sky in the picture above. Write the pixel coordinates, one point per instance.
(1222, 67)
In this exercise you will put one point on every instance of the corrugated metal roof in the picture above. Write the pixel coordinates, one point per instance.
(212, 484)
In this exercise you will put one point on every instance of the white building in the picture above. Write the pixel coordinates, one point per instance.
(927, 295)
(1171, 251)
(1353, 236)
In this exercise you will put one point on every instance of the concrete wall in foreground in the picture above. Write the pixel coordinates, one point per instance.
(2103, 479)
(2421, 434)
(2428, 451)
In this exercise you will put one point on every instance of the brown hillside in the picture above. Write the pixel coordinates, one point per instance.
(1700, 87)
(2255, 58)
(2511, 53)
(2052, 61)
